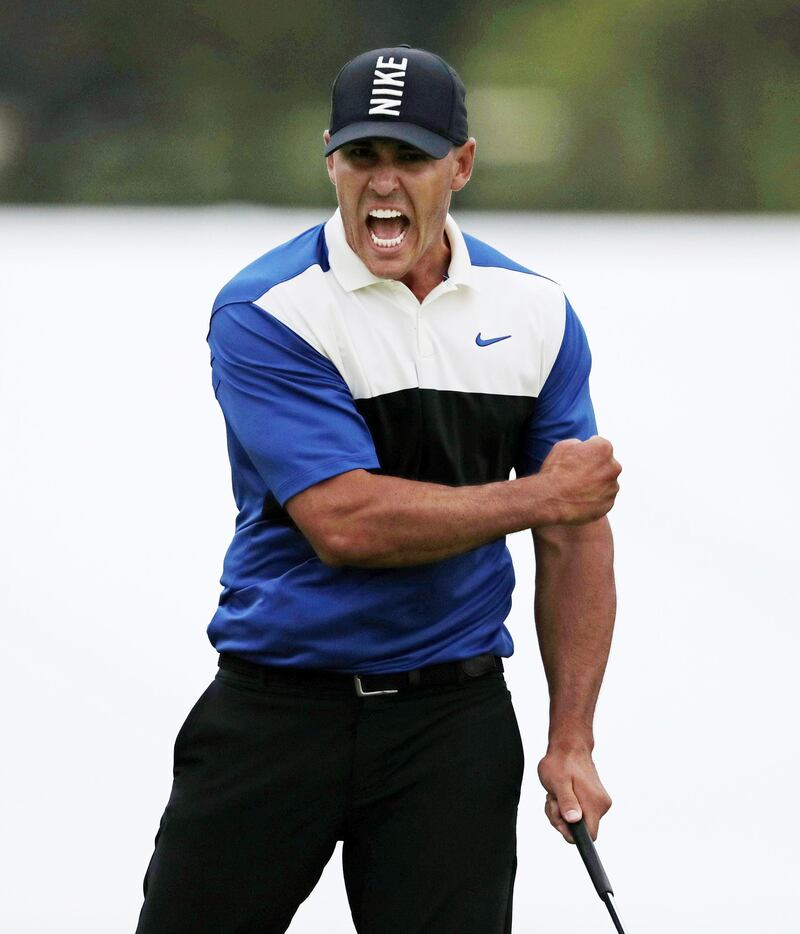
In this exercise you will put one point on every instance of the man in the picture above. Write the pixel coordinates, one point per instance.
(379, 376)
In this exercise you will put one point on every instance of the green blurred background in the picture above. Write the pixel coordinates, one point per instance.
(685, 105)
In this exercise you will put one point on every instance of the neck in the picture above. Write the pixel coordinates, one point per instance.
(429, 272)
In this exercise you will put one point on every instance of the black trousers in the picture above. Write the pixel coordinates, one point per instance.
(421, 786)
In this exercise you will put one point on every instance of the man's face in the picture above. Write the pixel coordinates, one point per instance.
(394, 201)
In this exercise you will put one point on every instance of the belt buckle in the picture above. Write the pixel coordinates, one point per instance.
(362, 693)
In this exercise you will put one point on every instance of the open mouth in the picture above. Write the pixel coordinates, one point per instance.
(387, 227)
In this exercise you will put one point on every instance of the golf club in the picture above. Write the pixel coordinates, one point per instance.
(595, 869)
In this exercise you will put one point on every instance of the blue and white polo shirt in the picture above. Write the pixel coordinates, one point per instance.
(320, 368)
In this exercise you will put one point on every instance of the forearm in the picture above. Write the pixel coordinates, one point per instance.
(367, 520)
(575, 606)
(393, 522)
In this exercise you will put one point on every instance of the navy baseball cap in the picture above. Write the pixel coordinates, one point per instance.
(399, 93)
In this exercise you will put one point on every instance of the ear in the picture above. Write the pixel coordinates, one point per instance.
(326, 138)
(464, 160)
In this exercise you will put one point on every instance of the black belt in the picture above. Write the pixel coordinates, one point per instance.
(367, 684)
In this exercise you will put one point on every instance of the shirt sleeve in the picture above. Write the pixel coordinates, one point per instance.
(563, 408)
(285, 402)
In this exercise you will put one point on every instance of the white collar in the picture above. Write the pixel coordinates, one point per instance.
(352, 274)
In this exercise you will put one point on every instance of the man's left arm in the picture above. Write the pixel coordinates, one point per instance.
(575, 606)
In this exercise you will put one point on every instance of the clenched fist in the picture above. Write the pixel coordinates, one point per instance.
(578, 481)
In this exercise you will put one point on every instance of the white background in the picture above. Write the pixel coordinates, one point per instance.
(117, 510)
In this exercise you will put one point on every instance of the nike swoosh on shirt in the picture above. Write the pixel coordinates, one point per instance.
(490, 340)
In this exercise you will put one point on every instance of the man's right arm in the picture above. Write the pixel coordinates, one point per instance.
(292, 413)
(366, 520)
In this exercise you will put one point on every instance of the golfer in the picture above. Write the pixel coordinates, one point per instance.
(380, 375)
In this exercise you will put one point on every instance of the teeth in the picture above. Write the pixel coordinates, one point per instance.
(384, 212)
(379, 241)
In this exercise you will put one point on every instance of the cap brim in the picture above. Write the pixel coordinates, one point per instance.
(430, 143)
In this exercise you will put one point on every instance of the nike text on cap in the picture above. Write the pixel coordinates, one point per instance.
(399, 93)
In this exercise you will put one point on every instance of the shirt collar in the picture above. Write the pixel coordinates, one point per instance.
(352, 274)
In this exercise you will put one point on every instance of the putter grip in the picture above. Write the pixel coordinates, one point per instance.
(590, 858)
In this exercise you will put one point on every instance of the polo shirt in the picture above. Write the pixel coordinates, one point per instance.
(319, 368)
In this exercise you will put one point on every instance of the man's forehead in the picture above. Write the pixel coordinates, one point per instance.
(383, 141)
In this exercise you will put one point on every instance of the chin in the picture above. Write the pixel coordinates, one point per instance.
(391, 263)
(387, 267)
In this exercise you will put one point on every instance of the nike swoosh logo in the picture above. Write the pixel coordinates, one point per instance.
(490, 340)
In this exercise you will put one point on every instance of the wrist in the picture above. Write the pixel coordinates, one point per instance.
(568, 738)
(543, 508)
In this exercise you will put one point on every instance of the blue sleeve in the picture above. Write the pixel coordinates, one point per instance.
(563, 408)
(286, 403)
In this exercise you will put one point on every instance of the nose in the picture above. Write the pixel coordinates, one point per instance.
(383, 180)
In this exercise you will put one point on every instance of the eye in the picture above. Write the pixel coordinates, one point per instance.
(413, 155)
(358, 152)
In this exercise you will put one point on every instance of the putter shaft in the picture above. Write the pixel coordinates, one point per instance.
(612, 910)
